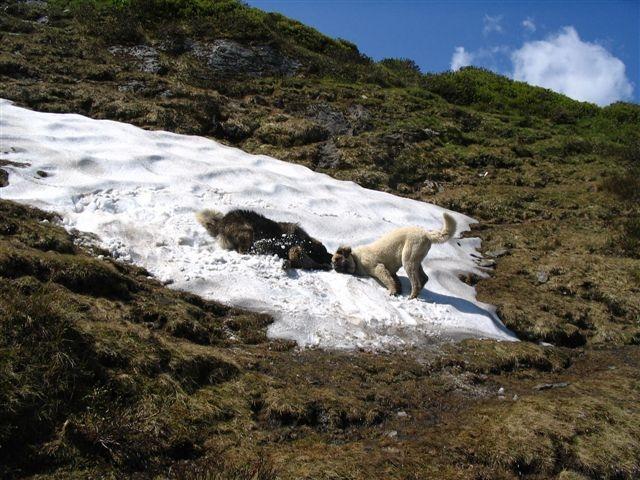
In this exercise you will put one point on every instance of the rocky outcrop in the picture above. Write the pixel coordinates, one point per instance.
(146, 57)
(356, 120)
(329, 117)
(230, 58)
(329, 155)
(360, 119)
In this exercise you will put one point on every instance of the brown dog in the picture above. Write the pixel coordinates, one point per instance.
(246, 231)
(404, 247)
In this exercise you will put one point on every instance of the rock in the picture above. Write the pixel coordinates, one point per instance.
(392, 434)
(330, 156)
(4, 178)
(430, 133)
(404, 188)
(360, 119)
(185, 240)
(500, 252)
(542, 277)
(13, 164)
(402, 414)
(429, 187)
(547, 386)
(501, 391)
(228, 57)
(393, 139)
(330, 118)
(145, 56)
(134, 86)
(486, 263)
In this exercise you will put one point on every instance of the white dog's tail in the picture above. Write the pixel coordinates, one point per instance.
(448, 229)
(209, 219)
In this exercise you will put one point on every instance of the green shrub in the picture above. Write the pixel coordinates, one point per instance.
(493, 92)
(623, 112)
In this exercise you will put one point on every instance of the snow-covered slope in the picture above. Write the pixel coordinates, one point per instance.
(139, 190)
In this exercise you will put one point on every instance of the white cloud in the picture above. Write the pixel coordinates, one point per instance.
(460, 58)
(529, 25)
(485, 57)
(492, 24)
(581, 70)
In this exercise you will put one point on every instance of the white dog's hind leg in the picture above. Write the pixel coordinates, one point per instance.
(424, 278)
(411, 260)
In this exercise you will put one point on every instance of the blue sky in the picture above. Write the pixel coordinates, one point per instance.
(589, 50)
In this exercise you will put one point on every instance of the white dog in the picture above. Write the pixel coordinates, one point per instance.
(405, 247)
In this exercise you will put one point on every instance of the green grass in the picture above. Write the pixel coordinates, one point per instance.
(106, 374)
(494, 93)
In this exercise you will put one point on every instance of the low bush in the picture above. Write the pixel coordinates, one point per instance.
(496, 93)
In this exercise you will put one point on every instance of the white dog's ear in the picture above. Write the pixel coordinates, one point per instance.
(344, 251)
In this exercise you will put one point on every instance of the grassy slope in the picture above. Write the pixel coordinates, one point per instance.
(188, 379)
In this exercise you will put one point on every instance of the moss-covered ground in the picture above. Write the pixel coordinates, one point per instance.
(105, 373)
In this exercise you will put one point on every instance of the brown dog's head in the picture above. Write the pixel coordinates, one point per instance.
(342, 261)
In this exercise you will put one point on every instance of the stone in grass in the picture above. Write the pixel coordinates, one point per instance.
(429, 187)
(486, 263)
(542, 277)
(146, 57)
(548, 386)
(500, 252)
(330, 156)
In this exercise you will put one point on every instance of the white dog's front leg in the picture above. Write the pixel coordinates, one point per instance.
(384, 276)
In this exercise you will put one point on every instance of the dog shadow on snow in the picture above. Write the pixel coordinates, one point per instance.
(460, 304)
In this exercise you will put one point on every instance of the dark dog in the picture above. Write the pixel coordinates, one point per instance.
(246, 231)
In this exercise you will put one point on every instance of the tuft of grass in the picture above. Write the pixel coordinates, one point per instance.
(533, 436)
(86, 376)
(481, 356)
(291, 132)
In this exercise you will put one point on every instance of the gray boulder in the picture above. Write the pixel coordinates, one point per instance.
(330, 118)
(146, 58)
(231, 58)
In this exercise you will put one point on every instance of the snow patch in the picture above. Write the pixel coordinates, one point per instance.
(139, 190)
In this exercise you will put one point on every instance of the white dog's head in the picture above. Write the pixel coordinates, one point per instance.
(343, 261)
